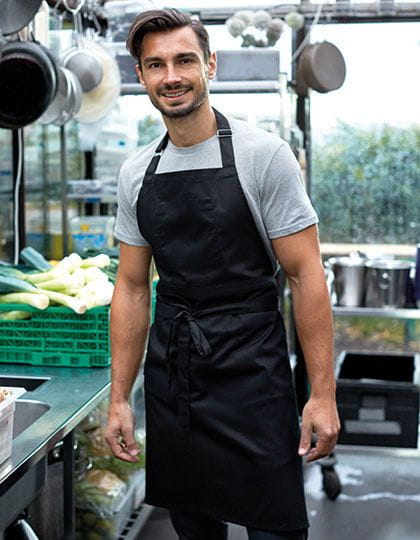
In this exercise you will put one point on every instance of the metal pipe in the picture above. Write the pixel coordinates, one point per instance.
(64, 199)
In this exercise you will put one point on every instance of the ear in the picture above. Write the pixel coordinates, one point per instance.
(212, 65)
(140, 74)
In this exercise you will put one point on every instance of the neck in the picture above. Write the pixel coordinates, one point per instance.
(194, 128)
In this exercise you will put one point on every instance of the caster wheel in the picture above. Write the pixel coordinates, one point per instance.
(331, 483)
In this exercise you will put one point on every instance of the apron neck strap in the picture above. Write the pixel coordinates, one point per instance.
(224, 134)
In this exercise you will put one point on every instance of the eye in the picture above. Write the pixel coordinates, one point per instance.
(186, 60)
(154, 65)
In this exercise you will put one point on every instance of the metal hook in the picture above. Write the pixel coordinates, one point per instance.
(76, 9)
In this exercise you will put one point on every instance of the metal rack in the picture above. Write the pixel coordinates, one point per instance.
(218, 87)
(388, 313)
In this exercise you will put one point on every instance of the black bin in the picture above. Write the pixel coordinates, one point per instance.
(378, 398)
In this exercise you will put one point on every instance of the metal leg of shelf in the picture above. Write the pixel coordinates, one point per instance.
(136, 522)
(68, 486)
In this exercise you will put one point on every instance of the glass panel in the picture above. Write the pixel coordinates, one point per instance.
(365, 162)
(43, 184)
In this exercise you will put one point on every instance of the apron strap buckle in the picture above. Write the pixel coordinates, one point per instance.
(224, 132)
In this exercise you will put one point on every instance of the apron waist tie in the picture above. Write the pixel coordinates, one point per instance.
(183, 326)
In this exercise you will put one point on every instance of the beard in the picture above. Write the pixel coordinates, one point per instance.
(180, 111)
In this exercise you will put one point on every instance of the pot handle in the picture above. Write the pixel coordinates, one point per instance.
(383, 280)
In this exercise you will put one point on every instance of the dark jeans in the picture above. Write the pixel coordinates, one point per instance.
(194, 526)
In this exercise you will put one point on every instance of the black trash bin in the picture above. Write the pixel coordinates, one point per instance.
(378, 398)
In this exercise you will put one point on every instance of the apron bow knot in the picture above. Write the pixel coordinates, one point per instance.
(178, 345)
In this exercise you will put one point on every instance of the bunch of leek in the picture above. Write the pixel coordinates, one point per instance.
(76, 283)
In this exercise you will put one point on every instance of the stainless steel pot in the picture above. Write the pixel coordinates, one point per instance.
(67, 101)
(349, 280)
(386, 283)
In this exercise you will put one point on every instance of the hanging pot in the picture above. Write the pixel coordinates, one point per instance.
(321, 66)
(97, 103)
(16, 14)
(67, 101)
(28, 75)
(84, 65)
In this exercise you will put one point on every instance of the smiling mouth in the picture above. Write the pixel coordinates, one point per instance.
(174, 94)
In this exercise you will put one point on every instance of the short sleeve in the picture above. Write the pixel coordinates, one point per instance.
(285, 205)
(126, 226)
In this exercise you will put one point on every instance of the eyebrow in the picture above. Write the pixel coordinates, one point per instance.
(151, 59)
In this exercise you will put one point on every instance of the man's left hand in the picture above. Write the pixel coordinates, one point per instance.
(319, 417)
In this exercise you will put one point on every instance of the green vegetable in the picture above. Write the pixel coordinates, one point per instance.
(9, 284)
(36, 300)
(65, 300)
(39, 277)
(15, 315)
(100, 261)
(32, 257)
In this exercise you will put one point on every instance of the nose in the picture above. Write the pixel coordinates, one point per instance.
(171, 75)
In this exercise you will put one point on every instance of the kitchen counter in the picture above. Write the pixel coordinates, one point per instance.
(71, 393)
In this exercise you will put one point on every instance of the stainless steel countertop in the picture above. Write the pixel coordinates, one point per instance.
(71, 393)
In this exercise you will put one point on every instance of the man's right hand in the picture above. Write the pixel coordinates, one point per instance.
(120, 432)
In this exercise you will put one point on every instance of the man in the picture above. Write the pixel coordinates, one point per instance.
(218, 204)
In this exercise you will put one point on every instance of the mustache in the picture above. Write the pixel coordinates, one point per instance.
(173, 88)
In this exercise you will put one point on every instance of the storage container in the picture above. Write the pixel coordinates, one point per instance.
(111, 527)
(56, 337)
(92, 232)
(7, 411)
(248, 65)
(378, 398)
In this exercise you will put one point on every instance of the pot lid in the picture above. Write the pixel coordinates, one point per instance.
(16, 14)
(347, 261)
(389, 264)
(321, 66)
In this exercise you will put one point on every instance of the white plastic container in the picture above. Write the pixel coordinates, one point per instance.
(92, 232)
(7, 412)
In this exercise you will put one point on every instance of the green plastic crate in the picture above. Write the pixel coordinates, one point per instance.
(56, 337)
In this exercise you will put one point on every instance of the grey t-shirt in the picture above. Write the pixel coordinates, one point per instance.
(267, 169)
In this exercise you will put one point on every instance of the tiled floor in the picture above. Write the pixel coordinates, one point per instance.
(380, 500)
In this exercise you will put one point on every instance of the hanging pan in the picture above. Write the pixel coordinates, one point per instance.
(16, 14)
(321, 66)
(28, 75)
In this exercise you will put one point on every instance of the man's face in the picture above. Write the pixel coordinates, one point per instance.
(174, 72)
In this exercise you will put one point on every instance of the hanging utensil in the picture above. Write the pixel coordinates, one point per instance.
(16, 14)
(321, 66)
(28, 75)
(67, 101)
(78, 58)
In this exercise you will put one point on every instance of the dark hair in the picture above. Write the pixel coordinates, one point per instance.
(161, 20)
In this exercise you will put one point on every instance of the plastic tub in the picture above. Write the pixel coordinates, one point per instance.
(92, 232)
(7, 411)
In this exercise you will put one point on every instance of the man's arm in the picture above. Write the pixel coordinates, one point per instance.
(299, 256)
(130, 320)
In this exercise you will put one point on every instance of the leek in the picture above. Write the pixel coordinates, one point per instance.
(9, 284)
(100, 261)
(77, 305)
(70, 263)
(39, 277)
(15, 315)
(36, 300)
(94, 274)
(32, 257)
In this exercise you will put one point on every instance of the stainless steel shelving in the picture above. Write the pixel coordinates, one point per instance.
(388, 313)
(218, 87)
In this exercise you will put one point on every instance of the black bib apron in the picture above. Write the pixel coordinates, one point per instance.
(221, 421)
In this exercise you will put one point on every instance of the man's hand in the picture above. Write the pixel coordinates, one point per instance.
(120, 432)
(319, 417)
